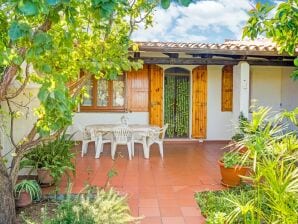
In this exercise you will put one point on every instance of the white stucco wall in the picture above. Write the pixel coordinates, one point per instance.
(289, 90)
(266, 86)
(219, 125)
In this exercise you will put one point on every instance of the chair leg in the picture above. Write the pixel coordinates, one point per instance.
(84, 147)
(113, 150)
(98, 149)
(129, 148)
(132, 148)
(160, 144)
(146, 149)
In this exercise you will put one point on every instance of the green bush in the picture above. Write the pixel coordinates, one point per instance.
(273, 150)
(214, 206)
(105, 207)
(55, 156)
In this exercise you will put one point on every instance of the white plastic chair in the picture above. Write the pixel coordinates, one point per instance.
(101, 140)
(138, 137)
(156, 136)
(121, 136)
(88, 136)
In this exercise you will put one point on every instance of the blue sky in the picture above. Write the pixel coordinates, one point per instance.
(207, 21)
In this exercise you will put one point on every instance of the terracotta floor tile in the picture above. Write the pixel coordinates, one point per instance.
(148, 202)
(149, 211)
(190, 211)
(170, 211)
(187, 202)
(161, 190)
(194, 220)
(168, 202)
(151, 220)
(173, 220)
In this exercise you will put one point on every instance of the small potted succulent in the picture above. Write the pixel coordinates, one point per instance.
(51, 160)
(25, 192)
(231, 168)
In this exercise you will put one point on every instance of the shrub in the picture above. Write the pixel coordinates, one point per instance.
(101, 208)
(55, 156)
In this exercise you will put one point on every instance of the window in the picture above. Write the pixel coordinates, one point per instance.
(105, 95)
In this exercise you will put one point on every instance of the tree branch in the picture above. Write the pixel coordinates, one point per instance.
(22, 86)
(11, 114)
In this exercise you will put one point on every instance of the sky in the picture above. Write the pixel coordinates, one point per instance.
(203, 21)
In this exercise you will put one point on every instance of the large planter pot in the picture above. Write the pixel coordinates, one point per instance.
(44, 177)
(23, 199)
(231, 176)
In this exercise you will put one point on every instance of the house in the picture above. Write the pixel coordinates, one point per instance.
(199, 89)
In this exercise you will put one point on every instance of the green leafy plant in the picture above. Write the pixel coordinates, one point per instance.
(273, 148)
(215, 207)
(231, 159)
(105, 206)
(30, 186)
(55, 156)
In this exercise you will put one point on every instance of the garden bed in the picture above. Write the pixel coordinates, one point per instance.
(36, 211)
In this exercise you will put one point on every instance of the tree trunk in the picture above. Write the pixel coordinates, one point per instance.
(7, 203)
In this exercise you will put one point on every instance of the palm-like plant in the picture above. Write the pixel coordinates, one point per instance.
(273, 149)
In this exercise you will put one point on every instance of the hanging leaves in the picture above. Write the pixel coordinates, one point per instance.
(177, 105)
(18, 30)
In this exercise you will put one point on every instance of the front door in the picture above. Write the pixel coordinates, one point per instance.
(176, 102)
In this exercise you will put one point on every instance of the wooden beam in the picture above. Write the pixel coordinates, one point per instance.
(172, 55)
(211, 61)
(187, 61)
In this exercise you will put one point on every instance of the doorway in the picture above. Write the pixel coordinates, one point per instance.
(177, 102)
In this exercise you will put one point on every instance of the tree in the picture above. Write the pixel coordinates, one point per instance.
(54, 41)
(282, 27)
(51, 42)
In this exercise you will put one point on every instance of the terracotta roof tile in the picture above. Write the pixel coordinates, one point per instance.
(246, 47)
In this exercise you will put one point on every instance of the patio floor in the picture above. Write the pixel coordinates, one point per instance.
(161, 190)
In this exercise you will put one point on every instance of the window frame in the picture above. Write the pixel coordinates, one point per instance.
(109, 107)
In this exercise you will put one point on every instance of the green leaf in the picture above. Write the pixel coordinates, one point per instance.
(53, 2)
(185, 2)
(165, 3)
(296, 62)
(28, 8)
(18, 30)
(43, 94)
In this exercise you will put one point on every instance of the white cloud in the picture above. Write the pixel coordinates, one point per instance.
(198, 22)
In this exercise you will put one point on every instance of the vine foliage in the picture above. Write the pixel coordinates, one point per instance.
(177, 105)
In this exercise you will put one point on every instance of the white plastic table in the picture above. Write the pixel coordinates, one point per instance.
(142, 129)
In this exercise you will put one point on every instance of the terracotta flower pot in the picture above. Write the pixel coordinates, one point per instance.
(44, 177)
(231, 176)
(23, 199)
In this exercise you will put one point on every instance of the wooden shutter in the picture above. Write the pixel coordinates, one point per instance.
(227, 88)
(199, 102)
(137, 89)
(156, 95)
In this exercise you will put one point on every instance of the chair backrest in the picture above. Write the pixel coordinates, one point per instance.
(122, 134)
(157, 135)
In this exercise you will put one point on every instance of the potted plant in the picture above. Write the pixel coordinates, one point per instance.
(26, 191)
(231, 168)
(51, 159)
